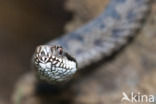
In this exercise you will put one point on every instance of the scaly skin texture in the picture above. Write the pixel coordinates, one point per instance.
(53, 64)
(104, 35)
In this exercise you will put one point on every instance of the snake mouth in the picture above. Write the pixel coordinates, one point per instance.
(56, 70)
(53, 61)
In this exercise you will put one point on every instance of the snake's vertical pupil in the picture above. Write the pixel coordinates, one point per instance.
(60, 50)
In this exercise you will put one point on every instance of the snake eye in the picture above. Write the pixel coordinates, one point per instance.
(60, 50)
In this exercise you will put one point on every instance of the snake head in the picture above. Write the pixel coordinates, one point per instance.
(53, 64)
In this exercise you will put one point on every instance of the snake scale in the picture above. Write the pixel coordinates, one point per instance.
(58, 60)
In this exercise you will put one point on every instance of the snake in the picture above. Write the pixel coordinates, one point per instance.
(59, 60)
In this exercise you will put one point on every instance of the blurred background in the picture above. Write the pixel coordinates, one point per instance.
(27, 23)
(23, 25)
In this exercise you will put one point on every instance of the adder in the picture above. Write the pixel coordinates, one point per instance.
(60, 59)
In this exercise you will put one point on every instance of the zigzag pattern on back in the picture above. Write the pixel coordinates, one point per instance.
(106, 33)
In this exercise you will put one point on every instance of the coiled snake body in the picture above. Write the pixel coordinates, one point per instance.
(92, 42)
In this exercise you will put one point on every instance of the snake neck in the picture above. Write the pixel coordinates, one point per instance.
(107, 33)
